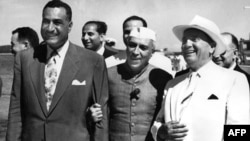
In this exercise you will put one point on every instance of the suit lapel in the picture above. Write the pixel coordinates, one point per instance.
(37, 76)
(67, 74)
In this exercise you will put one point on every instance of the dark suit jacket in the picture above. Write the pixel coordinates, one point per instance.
(182, 72)
(66, 120)
(237, 68)
(109, 51)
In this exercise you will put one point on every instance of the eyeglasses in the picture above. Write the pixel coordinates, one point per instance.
(135, 94)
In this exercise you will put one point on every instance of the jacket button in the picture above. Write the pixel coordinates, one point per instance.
(133, 104)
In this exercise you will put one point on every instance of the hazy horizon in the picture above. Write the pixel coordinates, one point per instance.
(161, 15)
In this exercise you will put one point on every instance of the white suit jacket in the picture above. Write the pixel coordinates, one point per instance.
(221, 97)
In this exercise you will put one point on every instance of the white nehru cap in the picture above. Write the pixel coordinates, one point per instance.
(143, 33)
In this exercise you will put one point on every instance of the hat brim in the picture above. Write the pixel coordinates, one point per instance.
(220, 46)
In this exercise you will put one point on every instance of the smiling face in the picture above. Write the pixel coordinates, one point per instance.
(91, 39)
(55, 27)
(196, 48)
(139, 52)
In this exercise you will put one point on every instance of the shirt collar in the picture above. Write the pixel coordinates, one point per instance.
(202, 71)
(233, 65)
(100, 50)
(61, 52)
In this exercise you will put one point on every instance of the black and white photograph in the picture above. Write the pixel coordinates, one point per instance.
(124, 70)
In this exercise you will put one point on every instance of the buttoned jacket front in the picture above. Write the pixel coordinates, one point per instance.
(131, 116)
(82, 81)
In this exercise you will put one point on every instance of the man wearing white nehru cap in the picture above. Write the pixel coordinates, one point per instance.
(135, 89)
(158, 59)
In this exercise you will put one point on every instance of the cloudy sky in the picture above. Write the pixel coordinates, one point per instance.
(161, 15)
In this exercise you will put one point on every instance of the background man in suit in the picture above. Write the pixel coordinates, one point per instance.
(228, 58)
(93, 38)
(23, 38)
(55, 83)
(199, 103)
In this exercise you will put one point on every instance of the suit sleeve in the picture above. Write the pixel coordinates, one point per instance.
(101, 94)
(238, 107)
(159, 119)
(14, 120)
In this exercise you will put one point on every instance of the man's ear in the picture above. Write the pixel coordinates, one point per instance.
(102, 37)
(27, 44)
(212, 50)
(70, 26)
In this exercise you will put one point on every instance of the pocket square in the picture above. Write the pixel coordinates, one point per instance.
(213, 97)
(77, 82)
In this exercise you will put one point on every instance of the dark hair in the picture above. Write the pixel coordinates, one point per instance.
(210, 41)
(234, 39)
(101, 27)
(27, 33)
(134, 17)
(58, 3)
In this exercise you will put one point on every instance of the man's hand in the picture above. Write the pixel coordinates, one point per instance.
(96, 112)
(172, 131)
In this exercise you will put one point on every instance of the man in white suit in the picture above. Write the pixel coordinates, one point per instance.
(198, 104)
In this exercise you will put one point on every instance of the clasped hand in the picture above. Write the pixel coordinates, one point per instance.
(172, 131)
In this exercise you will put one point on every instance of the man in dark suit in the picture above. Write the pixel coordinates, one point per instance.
(93, 38)
(228, 58)
(51, 93)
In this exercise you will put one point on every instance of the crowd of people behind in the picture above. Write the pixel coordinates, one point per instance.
(64, 92)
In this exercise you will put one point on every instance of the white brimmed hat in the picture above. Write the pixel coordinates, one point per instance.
(143, 33)
(207, 26)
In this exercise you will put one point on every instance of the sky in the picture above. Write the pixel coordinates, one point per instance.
(161, 16)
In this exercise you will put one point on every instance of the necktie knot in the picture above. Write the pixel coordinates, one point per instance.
(52, 57)
(52, 54)
(193, 75)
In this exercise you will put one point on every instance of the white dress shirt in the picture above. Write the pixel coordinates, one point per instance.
(59, 58)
